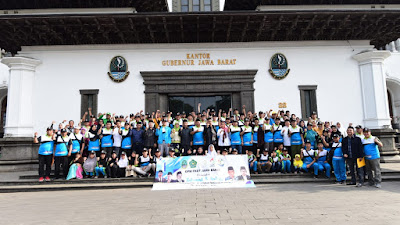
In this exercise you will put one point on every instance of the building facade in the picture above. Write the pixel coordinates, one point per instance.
(60, 61)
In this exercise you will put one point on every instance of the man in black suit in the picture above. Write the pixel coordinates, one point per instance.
(244, 175)
(352, 150)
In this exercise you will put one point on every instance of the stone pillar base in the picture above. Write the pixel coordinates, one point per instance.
(389, 152)
(18, 154)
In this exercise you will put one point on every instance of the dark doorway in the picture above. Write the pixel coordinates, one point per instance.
(189, 103)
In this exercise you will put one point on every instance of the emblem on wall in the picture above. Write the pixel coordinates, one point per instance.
(118, 69)
(278, 66)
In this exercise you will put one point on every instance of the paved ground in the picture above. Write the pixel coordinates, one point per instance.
(266, 204)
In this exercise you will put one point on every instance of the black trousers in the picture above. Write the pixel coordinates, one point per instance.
(352, 163)
(61, 161)
(112, 171)
(108, 150)
(45, 161)
(121, 172)
(138, 148)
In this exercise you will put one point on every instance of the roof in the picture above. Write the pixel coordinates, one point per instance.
(140, 5)
(380, 27)
(252, 4)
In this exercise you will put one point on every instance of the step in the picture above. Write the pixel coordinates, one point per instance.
(264, 175)
(119, 183)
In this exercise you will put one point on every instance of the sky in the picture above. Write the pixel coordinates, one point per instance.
(221, 4)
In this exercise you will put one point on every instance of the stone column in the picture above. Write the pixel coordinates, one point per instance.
(19, 122)
(375, 101)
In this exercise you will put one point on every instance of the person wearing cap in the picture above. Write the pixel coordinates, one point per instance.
(45, 153)
(106, 118)
(150, 139)
(322, 160)
(252, 160)
(338, 162)
(190, 121)
(313, 118)
(236, 137)
(215, 122)
(90, 164)
(277, 131)
(296, 138)
(286, 136)
(117, 137)
(272, 115)
(319, 129)
(101, 166)
(276, 162)
(247, 135)
(264, 164)
(198, 135)
(112, 166)
(309, 160)
(107, 139)
(171, 153)
(164, 137)
(310, 135)
(286, 161)
(372, 158)
(126, 140)
(359, 132)
(234, 151)
(63, 150)
(268, 136)
(352, 150)
(334, 130)
(138, 138)
(78, 143)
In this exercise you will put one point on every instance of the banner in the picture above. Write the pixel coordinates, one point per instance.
(194, 172)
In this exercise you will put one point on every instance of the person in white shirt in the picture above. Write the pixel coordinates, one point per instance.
(224, 140)
(117, 137)
(286, 137)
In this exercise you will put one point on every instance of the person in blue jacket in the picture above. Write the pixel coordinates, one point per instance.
(322, 160)
(45, 153)
(276, 130)
(164, 137)
(372, 158)
(339, 166)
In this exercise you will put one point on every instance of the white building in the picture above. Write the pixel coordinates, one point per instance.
(61, 58)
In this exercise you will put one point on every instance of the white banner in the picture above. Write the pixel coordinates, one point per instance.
(194, 172)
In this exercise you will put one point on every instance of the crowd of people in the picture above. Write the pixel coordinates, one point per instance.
(107, 145)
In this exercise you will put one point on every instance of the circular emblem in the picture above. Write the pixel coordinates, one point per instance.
(278, 66)
(184, 164)
(118, 69)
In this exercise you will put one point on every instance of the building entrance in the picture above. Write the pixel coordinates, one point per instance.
(189, 103)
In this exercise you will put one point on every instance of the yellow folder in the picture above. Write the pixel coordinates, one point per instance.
(360, 162)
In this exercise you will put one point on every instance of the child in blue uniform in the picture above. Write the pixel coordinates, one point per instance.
(252, 161)
(308, 157)
(276, 163)
(322, 160)
(286, 164)
(339, 166)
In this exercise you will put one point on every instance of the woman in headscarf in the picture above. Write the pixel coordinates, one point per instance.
(122, 163)
(223, 137)
(211, 151)
(75, 171)
(90, 164)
